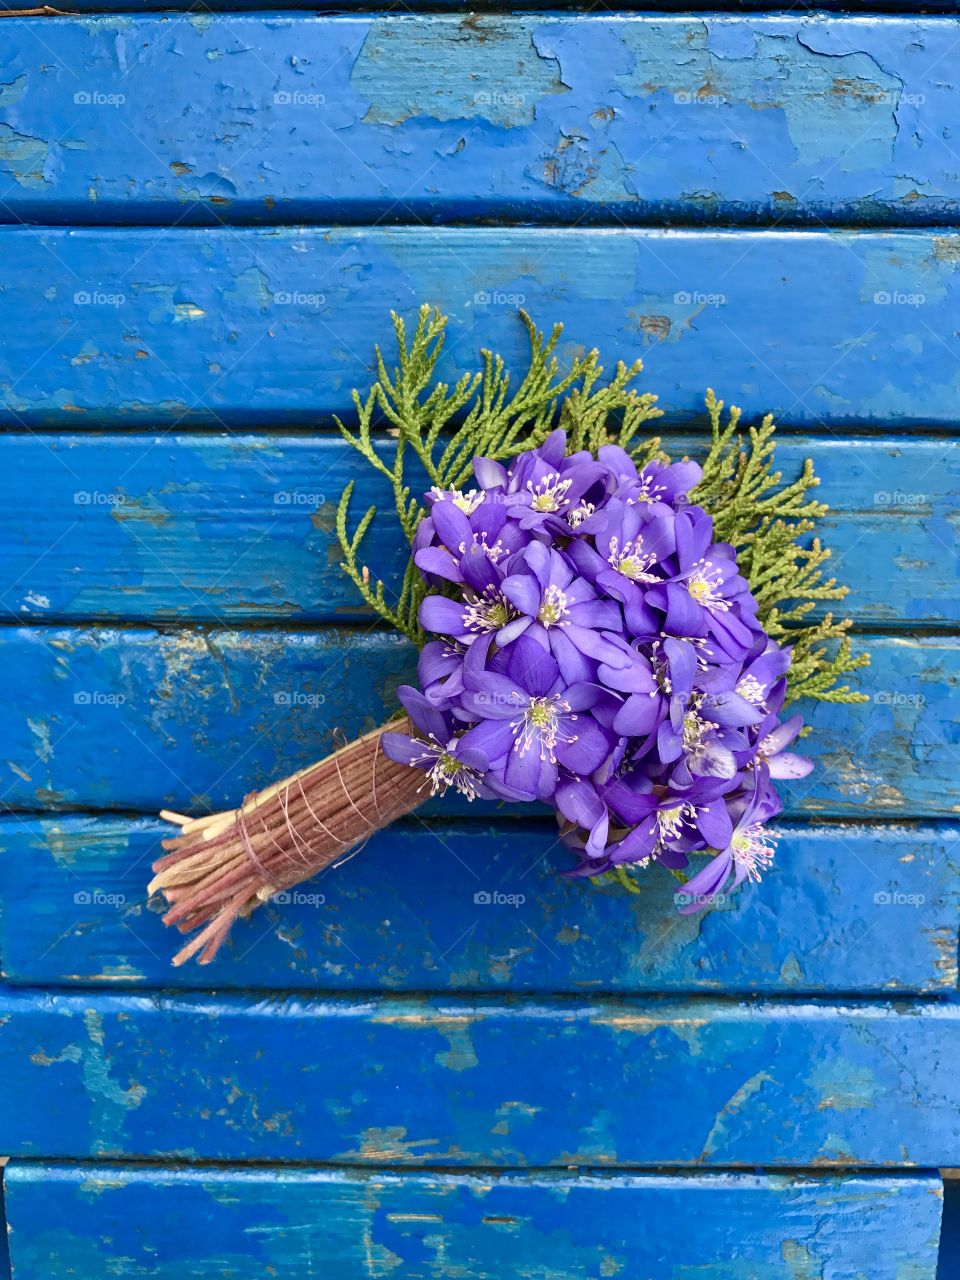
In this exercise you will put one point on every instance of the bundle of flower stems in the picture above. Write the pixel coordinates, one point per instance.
(222, 866)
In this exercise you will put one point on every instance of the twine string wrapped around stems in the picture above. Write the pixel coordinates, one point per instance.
(225, 865)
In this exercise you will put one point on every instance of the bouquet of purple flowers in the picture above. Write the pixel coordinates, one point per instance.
(601, 629)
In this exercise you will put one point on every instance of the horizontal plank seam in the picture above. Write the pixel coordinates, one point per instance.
(514, 822)
(602, 1173)
(444, 1003)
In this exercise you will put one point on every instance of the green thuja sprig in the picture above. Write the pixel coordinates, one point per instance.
(766, 522)
(445, 428)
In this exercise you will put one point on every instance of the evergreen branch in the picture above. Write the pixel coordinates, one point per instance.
(445, 428)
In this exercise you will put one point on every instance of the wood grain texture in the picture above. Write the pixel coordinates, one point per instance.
(450, 116)
(471, 906)
(127, 1222)
(206, 528)
(433, 1081)
(132, 327)
(135, 719)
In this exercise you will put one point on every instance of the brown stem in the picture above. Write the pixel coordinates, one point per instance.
(225, 865)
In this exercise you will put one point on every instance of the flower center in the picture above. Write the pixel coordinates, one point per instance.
(447, 771)
(648, 492)
(548, 494)
(705, 586)
(488, 612)
(749, 687)
(492, 551)
(753, 848)
(695, 730)
(577, 515)
(631, 560)
(467, 502)
(553, 607)
(670, 821)
(540, 725)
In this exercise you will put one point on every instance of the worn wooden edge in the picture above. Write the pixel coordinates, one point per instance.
(193, 719)
(483, 906)
(334, 1224)
(224, 347)
(448, 1083)
(212, 528)
(527, 118)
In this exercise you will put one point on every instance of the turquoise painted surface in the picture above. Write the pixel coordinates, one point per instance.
(123, 326)
(135, 719)
(455, 116)
(213, 528)
(323, 1225)
(481, 906)
(481, 1082)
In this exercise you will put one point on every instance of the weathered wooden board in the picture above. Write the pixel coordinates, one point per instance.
(128, 326)
(434, 1081)
(92, 1221)
(475, 907)
(453, 116)
(208, 528)
(135, 719)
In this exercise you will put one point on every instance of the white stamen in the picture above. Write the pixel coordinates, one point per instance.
(540, 725)
(631, 560)
(749, 687)
(447, 771)
(705, 585)
(753, 848)
(649, 492)
(553, 608)
(548, 494)
(577, 515)
(467, 502)
(488, 612)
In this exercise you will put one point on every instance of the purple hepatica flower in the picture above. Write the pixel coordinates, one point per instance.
(661, 485)
(562, 612)
(630, 549)
(531, 721)
(773, 739)
(664, 825)
(483, 609)
(543, 487)
(441, 753)
(708, 596)
(748, 851)
(463, 536)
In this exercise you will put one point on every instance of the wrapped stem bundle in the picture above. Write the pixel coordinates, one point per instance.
(600, 628)
(223, 866)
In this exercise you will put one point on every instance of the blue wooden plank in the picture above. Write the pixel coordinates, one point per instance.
(534, 117)
(130, 1222)
(847, 909)
(430, 1081)
(127, 326)
(208, 528)
(135, 719)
